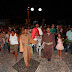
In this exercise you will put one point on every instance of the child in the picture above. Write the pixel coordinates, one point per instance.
(25, 40)
(59, 45)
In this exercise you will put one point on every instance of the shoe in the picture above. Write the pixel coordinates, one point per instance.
(66, 53)
(29, 65)
(42, 57)
(60, 58)
(71, 54)
(26, 67)
(57, 56)
(49, 61)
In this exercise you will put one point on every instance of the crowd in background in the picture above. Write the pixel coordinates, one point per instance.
(5, 31)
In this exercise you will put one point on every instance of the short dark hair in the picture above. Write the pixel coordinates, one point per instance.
(47, 27)
(13, 30)
(25, 28)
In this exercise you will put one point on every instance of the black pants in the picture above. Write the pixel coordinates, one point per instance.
(33, 48)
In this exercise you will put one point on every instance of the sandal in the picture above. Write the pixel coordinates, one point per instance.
(26, 67)
(29, 65)
(57, 56)
(60, 58)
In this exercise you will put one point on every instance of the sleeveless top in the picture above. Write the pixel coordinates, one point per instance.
(13, 39)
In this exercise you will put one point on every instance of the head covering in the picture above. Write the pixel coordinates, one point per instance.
(35, 22)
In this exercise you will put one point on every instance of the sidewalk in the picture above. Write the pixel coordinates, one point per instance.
(56, 65)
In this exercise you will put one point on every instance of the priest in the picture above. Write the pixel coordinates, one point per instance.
(48, 43)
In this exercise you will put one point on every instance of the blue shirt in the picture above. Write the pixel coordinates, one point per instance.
(69, 34)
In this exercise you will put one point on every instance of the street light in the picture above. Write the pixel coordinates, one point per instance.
(28, 13)
(40, 9)
(32, 9)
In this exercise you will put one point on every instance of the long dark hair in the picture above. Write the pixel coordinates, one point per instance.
(60, 34)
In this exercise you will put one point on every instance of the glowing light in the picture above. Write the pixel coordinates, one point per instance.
(28, 7)
(40, 9)
(32, 9)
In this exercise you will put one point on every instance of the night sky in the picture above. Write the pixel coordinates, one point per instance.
(51, 10)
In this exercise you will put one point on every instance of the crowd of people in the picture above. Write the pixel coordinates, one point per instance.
(22, 38)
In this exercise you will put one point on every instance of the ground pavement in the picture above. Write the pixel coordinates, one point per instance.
(56, 65)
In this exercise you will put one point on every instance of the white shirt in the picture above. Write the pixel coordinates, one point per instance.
(3, 40)
(40, 26)
(48, 34)
(9, 28)
(69, 34)
(13, 39)
(61, 30)
(40, 31)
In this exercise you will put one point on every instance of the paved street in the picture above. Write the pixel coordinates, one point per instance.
(56, 65)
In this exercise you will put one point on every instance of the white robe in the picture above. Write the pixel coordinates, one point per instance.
(40, 31)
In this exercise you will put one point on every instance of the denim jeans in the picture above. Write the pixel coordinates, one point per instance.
(7, 47)
(55, 48)
(49, 59)
(71, 48)
(33, 48)
(67, 48)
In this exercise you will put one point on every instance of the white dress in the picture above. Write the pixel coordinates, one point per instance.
(59, 46)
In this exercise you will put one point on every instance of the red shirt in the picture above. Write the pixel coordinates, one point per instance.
(35, 32)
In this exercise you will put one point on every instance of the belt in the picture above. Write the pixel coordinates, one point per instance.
(26, 44)
(48, 43)
(43, 45)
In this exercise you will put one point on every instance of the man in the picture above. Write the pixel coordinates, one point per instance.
(52, 29)
(49, 42)
(14, 41)
(40, 30)
(69, 37)
(6, 39)
(61, 28)
(25, 40)
(0, 30)
(36, 31)
(34, 22)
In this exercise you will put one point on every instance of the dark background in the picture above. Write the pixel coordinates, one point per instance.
(53, 11)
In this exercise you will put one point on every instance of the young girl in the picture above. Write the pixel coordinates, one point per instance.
(59, 45)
